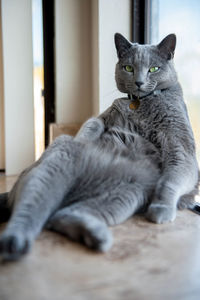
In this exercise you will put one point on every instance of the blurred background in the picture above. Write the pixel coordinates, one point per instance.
(57, 62)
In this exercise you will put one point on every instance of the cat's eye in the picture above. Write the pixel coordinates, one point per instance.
(153, 69)
(128, 68)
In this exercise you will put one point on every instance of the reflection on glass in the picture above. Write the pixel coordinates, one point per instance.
(183, 19)
(38, 76)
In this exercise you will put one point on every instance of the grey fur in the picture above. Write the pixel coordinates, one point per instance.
(120, 163)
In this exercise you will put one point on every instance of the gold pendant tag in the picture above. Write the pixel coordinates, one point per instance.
(135, 104)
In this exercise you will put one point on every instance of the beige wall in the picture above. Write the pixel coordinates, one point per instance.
(73, 60)
(18, 84)
(108, 17)
(114, 16)
(86, 56)
(85, 62)
(2, 145)
(95, 56)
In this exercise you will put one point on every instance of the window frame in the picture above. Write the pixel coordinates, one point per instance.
(48, 8)
(141, 21)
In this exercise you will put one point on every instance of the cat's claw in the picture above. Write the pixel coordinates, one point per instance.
(13, 246)
(160, 213)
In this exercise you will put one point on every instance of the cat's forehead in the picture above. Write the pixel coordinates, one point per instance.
(141, 52)
(145, 54)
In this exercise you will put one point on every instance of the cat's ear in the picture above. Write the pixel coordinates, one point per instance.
(122, 45)
(167, 46)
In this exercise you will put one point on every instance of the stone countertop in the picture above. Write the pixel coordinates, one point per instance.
(147, 261)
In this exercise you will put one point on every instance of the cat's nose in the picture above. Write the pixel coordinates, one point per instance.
(139, 83)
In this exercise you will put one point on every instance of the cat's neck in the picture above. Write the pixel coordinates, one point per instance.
(134, 97)
(176, 87)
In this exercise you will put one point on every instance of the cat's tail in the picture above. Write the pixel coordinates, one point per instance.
(5, 211)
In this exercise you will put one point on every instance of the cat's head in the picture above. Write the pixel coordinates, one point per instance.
(142, 69)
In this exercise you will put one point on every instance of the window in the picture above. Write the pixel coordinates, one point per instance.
(152, 21)
(183, 19)
(38, 76)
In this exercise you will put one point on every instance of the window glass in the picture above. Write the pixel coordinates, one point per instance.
(183, 19)
(38, 76)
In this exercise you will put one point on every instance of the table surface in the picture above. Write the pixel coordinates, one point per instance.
(147, 261)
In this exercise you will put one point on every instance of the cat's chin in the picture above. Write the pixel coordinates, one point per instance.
(140, 93)
(137, 93)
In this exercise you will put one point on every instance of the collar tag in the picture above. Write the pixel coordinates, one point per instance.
(134, 104)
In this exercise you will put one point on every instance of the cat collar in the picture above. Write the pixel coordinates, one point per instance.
(136, 99)
(133, 97)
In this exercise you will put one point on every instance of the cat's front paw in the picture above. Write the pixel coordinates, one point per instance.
(90, 130)
(161, 213)
(14, 245)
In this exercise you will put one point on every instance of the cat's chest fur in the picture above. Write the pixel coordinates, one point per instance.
(156, 114)
(150, 114)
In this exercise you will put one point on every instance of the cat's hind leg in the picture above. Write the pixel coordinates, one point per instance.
(37, 194)
(86, 221)
(82, 226)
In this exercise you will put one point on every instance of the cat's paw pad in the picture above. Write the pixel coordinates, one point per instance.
(13, 246)
(160, 213)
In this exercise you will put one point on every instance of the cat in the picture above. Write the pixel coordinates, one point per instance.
(137, 156)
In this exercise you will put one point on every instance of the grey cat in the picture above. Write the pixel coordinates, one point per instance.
(139, 155)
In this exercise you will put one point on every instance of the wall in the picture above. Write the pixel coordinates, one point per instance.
(73, 60)
(109, 17)
(85, 63)
(2, 145)
(18, 84)
(86, 55)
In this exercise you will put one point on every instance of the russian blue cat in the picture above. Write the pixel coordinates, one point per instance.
(139, 155)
